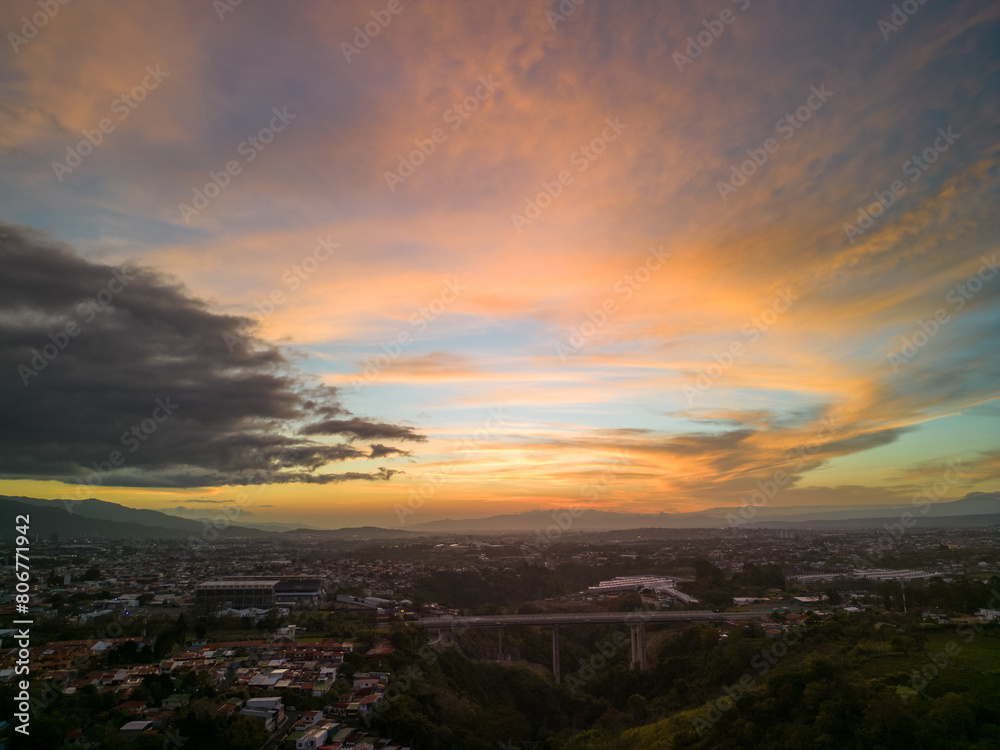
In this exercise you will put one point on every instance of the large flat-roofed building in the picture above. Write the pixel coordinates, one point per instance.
(299, 590)
(665, 585)
(884, 574)
(245, 592)
(236, 594)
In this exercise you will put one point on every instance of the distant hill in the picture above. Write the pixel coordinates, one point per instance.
(357, 532)
(981, 504)
(245, 518)
(975, 503)
(97, 519)
(929, 522)
(102, 510)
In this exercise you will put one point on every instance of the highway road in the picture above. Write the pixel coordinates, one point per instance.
(587, 618)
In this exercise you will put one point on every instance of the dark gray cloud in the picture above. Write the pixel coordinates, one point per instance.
(103, 364)
(362, 429)
(379, 451)
(866, 441)
(701, 444)
(383, 474)
(186, 512)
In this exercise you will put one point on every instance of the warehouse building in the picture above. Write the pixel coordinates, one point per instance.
(235, 594)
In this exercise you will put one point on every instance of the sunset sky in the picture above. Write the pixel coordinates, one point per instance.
(514, 243)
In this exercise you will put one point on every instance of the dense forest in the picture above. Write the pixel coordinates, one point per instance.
(861, 680)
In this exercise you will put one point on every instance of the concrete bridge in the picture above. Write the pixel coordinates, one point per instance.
(636, 621)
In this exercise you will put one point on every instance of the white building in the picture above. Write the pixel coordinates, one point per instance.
(269, 710)
(133, 729)
(311, 739)
(665, 585)
(883, 574)
(370, 679)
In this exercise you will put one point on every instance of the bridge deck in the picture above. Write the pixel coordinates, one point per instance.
(589, 618)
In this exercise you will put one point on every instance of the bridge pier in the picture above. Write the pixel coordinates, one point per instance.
(503, 631)
(638, 633)
(555, 652)
(448, 628)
